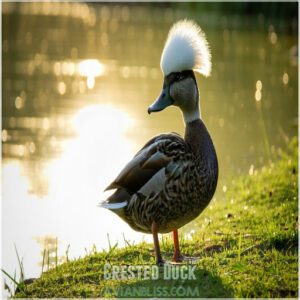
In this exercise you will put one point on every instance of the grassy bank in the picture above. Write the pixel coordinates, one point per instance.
(246, 245)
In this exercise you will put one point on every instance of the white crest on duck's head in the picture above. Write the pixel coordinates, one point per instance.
(186, 48)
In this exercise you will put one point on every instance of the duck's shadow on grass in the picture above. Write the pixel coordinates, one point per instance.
(203, 285)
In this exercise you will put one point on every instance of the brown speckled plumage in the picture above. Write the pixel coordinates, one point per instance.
(190, 170)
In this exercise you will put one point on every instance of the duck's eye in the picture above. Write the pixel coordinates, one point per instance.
(178, 77)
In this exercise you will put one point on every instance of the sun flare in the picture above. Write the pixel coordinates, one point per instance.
(91, 68)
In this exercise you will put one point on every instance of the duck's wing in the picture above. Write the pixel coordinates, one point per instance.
(146, 170)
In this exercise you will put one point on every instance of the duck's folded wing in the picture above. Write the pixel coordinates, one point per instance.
(148, 162)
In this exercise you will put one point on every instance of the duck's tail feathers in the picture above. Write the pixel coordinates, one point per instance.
(113, 206)
(117, 200)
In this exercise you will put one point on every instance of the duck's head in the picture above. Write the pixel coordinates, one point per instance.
(186, 50)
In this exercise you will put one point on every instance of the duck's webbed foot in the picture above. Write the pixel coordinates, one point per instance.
(177, 257)
(160, 263)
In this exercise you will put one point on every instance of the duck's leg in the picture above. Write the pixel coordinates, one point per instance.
(177, 257)
(159, 260)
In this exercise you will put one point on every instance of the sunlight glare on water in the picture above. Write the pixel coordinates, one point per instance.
(102, 133)
(91, 68)
(75, 187)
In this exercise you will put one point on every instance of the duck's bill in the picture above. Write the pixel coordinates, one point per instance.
(164, 100)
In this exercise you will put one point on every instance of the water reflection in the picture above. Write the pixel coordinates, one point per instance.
(49, 252)
(80, 11)
(75, 183)
(91, 68)
(77, 80)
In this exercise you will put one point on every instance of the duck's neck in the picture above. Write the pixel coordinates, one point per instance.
(198, 138)
(191, 115)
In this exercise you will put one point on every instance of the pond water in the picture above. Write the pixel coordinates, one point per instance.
(77, 82)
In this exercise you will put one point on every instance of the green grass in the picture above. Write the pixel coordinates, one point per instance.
(246, 244)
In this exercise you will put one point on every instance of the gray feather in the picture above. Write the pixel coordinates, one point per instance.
(155, 184)
(113, 205)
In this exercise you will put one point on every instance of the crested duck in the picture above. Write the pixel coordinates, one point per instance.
(171, 180)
